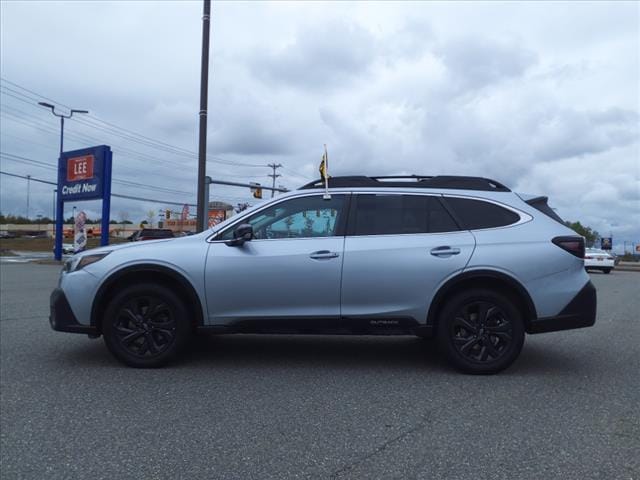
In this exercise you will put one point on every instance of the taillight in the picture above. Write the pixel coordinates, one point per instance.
(573, 245)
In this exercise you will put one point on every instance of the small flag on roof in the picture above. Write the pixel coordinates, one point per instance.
(324, 173)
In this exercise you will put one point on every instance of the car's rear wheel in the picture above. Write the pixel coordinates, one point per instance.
(145, 326)
(480, 331)
(607, 270)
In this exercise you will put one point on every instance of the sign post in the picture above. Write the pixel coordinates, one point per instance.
(84, 174)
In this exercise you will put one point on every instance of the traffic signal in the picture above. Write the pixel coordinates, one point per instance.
(256, 189)
(168, 214)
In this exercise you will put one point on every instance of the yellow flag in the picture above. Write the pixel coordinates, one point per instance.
(323, 167)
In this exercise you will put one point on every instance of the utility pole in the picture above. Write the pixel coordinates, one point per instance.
(273, 176)
(28, 185)
(204, 93)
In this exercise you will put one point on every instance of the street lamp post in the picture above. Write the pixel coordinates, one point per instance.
(62, 117)
(59, 207)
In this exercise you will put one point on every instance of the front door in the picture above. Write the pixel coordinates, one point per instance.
(290, 270)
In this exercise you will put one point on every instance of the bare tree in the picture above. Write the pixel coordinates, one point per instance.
(151, 214)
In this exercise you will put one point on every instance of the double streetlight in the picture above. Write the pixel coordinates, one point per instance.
(62, 117)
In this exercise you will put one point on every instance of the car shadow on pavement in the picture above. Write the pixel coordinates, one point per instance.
(375, 353)
(367, 352)
(85, 353)
(549, 359)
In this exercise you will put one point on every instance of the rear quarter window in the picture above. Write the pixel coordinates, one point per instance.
(478, 214)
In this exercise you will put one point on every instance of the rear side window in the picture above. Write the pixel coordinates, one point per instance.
(477, 214)
(400, 214)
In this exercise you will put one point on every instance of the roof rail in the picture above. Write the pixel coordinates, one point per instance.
(412, 181)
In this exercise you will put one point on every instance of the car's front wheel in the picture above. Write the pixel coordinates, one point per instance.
(145, 326)
(480, 331)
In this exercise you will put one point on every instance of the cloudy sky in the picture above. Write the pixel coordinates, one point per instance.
(541, 96)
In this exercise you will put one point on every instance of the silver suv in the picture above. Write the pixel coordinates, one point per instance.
(461, 259)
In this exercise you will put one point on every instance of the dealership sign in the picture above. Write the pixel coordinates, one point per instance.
(84, 174)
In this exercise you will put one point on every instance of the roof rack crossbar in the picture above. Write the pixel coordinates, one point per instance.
(401, 177)
(421, 181)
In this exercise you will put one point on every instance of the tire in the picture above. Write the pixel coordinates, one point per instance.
(476, 343)
(607, 270)
(146, 326)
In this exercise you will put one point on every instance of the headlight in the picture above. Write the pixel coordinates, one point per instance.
(75, 264)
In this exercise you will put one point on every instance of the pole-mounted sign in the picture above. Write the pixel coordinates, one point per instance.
(84, 175)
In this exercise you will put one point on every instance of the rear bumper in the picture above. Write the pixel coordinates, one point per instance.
(579, 313)
(61, 316)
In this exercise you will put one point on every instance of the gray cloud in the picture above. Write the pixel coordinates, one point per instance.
(475, 62)
(319, 57)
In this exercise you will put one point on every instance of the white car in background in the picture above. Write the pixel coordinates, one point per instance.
(67, 249)
(595, 259)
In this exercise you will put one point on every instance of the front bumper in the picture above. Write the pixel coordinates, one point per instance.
(579, 313)
(61, 316)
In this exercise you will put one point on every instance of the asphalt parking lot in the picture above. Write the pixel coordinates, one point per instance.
(317, 407)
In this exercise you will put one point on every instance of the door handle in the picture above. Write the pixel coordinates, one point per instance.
(322, 254)
(444, 251)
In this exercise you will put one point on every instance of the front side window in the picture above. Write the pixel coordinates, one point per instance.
(477, 214)
(400, 214)
(305, 217)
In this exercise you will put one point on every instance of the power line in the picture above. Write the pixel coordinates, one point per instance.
(28, 119)
(123, 132)
(25, 177)
(128, 197)
(91, 121)
(290, 172)
(38, 163)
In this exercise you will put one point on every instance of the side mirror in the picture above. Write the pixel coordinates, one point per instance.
(243, 233)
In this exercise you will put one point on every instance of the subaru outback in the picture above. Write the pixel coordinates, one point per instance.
(461, 259)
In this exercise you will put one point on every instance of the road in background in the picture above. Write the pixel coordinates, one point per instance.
(317, 407)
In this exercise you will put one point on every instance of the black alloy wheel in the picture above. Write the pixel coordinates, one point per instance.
(146, 325)
(481, 331)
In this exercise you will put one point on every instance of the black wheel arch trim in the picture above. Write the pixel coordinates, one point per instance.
(62, 318)
(580, 312)
(194, 299)
(436, 303)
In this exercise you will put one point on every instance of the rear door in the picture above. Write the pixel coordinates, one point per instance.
(399, 248)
